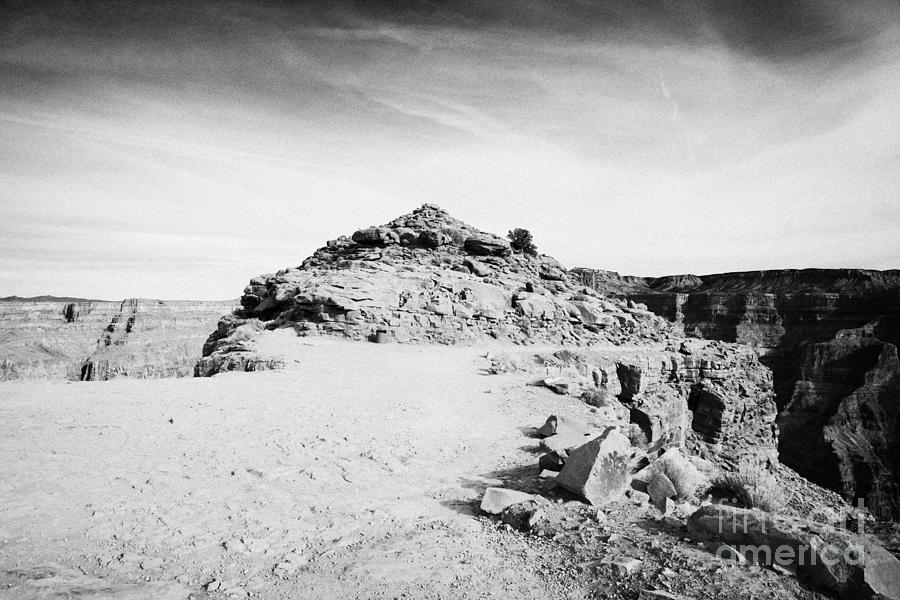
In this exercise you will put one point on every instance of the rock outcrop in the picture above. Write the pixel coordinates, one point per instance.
(828, 335)
(713, 398)
(69, 338)
(850, 565)
(427, 277)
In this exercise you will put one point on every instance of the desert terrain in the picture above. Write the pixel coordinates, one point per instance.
(355, 472)
(514, 431)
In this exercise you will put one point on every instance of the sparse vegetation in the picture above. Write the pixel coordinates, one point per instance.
(752, 485)
(521, 240)
(687, 479)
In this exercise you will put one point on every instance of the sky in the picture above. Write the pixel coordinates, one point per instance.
(177, 149)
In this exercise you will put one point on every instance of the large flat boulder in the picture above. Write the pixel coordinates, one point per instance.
(496, 500)
(598, 470)
(487, 245)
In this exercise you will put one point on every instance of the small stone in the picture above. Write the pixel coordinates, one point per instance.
(660, 595)
(584, 566)
(237, 592)
(639, 498)
(621, 564)
(213, 585)
(730, 553)
(673, 521)
(151, 564)
(523, 516)
(235, 545)
(256, 546)
(549, 427)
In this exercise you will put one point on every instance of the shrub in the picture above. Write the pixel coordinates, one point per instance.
(687, 480)
(521, 241)
(243, 333)
(752, 485)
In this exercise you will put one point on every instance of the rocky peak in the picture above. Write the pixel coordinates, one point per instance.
(428, 228)
(429, 277)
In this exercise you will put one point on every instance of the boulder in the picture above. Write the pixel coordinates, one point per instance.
(496, 500)
(598, 470)
(562, 385)
(850, 565)
(432, 238)
(408, 237)
(486, 245)
(375, 236)
(457, 235)
(561, 443)
(476, 267)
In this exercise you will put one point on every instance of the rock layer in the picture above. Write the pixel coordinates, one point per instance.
(836, 387)
(68, 338)
(152, 338)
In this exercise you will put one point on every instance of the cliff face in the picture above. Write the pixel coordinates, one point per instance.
(38, 340)
(842, 425)
(74, 339)
(153, 338)
(833, 386)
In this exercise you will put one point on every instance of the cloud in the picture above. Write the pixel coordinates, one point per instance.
(764, 135)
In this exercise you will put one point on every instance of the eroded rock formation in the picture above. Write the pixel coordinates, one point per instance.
(152, 338)
(427, 277)
(67, 338)
(829, 336)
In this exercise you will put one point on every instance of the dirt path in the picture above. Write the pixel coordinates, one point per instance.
(356, 470)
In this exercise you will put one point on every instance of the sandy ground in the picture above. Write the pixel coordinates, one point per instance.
(354, 473)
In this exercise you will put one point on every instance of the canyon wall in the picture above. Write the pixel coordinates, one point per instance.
(86, 339)
(828, 335)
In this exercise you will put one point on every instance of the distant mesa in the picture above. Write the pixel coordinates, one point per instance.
(53, 337)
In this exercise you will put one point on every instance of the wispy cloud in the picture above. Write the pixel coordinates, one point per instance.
(275, 126)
